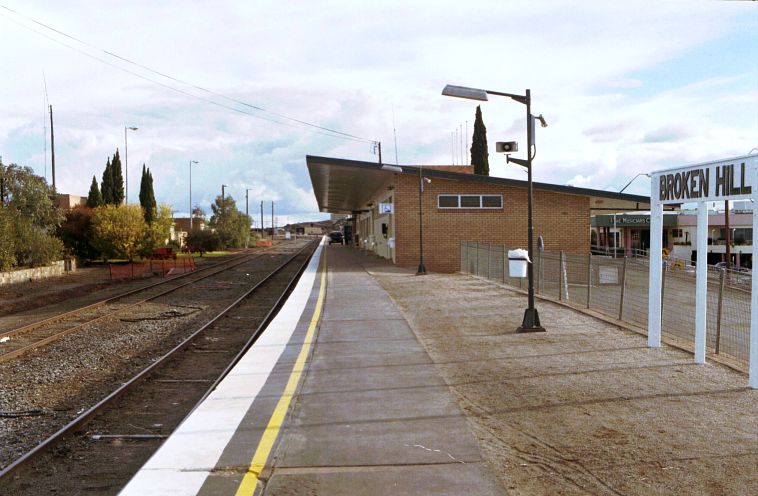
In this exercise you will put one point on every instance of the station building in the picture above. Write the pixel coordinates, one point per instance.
(455, 205)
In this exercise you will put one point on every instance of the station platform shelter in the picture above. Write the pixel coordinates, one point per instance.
(394, 208)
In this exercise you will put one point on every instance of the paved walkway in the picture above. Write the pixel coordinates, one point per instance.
(374, 416)
(351, 406)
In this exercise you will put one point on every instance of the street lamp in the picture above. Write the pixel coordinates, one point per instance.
(531, 322)
(126, 162)
(190, 184)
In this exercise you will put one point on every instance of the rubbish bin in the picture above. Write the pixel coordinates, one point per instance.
(517, 262)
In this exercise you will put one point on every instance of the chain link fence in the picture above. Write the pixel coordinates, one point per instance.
(618, 288)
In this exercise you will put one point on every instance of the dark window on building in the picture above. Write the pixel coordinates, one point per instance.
(492, 201)
(447, 201)
(470, 201)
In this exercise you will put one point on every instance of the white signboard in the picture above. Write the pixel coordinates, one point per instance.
(386, 208)
(608, 274)
(731, 179)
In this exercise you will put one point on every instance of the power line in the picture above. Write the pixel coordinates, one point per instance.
(335, 133)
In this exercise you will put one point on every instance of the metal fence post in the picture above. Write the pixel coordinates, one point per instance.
(541, 271)
(489, 247)
(623, 290)
(560, 275)
(722, 279)
(589, 279)
(476, 271)
(663, 285)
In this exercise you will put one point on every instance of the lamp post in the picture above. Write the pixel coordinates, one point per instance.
(222, 193)
(421, 269)
(531, 322)
(190, 189)
(126, 162)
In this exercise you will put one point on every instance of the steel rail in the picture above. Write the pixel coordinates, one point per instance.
(5, 357)
(34, 325)
(85, 416)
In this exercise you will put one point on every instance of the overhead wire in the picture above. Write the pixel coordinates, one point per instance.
(327, 131)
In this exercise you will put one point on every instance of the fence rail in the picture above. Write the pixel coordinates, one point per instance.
(618, 288)
(152, 267)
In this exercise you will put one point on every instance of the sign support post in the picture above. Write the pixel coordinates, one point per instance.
(701, 288)
(656, 266)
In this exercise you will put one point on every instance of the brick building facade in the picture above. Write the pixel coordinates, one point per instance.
(369, 191)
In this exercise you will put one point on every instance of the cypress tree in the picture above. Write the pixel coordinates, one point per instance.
(150, 190)
(479, 154)
(117, 179)
(146, 196)
(94, 199)
(106, 187)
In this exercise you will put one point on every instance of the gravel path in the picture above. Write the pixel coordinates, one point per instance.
(585, 408)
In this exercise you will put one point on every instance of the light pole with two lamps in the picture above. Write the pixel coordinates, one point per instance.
(531, 322)
(126, 162)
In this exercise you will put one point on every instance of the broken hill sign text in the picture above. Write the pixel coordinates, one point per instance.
(730, 180)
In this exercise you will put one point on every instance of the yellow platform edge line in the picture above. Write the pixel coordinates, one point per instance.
(250, 482)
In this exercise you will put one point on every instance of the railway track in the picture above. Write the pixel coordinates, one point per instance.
(43, 332)
(144, 410)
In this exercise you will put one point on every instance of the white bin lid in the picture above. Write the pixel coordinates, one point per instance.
(518, 254)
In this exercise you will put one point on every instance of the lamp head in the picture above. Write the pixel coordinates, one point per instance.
(543, 123)
(464, 92)
(133, 128)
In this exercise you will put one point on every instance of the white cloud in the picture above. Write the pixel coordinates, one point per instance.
(346, 65)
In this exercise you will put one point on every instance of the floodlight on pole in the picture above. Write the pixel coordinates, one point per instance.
(531, 322)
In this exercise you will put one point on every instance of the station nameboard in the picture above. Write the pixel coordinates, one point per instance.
(731, 179)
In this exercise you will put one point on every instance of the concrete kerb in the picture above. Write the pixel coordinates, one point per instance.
(721, 359)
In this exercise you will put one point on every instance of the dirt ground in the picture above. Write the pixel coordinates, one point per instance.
(587, 407)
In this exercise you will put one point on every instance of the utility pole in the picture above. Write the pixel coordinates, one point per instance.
(273, 231)
(262, 235)
(728, 237)
(52, 145)
(222, 194)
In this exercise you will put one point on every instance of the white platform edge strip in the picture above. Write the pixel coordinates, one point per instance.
(184, 461)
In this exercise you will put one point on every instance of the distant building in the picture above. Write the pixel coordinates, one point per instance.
(181, 227)
(67, 202)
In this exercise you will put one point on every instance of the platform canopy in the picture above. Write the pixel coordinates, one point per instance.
(345, 186)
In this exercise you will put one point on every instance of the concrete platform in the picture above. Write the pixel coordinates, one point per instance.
(352, 406)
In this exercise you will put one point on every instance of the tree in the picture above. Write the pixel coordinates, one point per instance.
(106, 187)
(479, 154)
(232, 226)
(147, 196)
(158, 232)
(7, 245)
(94, 198)
(30, 216)
(77, 234)
(203, 240)
(117, 179)
(119, 230)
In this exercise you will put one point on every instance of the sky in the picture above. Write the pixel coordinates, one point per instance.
(626, 88)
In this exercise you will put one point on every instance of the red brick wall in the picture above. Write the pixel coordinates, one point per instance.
(562, 219)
